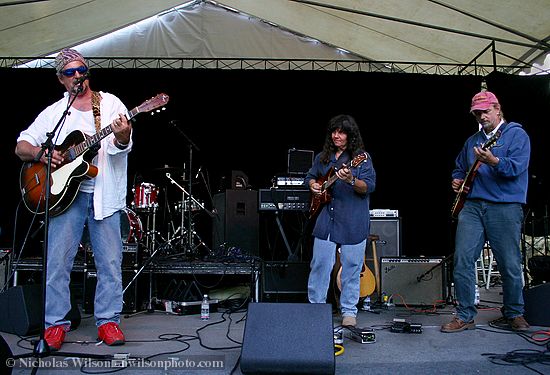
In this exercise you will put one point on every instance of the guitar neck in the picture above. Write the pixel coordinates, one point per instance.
(91, 141)
(328, 183)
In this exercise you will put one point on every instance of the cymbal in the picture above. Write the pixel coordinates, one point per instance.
(168, 169)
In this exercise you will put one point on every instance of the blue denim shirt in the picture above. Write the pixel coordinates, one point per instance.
(346, 217)
(507, 181)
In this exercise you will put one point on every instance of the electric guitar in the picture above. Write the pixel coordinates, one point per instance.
(318, 200)
(469, 179)
(78, 150)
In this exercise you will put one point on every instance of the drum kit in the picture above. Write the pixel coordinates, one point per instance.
(139, 225)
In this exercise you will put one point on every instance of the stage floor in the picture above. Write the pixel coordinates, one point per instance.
(164, 343)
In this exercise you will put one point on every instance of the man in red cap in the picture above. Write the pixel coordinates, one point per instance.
(97, 201)
(492, 211)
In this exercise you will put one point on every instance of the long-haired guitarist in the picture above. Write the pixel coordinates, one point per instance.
(86, 188)
(341, 179)
(492, 174)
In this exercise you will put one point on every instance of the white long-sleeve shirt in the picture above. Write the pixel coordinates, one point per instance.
(110, 184)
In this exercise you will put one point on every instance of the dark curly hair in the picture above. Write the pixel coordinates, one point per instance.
(347, 125)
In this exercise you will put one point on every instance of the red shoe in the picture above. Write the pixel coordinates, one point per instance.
(54, 336)
(110, 334)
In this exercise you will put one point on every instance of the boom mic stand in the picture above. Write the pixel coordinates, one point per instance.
(440, 264)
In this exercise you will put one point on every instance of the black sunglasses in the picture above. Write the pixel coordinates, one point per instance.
(71, 71)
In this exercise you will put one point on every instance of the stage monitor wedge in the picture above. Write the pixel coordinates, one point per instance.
(288, 338)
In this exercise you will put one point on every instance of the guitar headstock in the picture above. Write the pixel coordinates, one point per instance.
(153, 103)
(491, 141)
(359, 159)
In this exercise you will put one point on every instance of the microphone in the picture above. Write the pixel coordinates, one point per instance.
(77, 83)
(198, 172)
(81, 79)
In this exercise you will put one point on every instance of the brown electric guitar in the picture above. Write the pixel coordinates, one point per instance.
(78, 151)
(319, 200)
(469, 179)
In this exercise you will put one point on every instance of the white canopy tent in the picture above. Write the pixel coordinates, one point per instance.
(510, 34)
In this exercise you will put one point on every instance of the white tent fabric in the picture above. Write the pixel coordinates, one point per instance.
(431, 31)
(208, 31)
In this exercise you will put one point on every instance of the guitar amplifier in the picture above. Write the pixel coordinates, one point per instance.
(283, 199)
(413, 281)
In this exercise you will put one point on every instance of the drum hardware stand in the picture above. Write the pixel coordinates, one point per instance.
(192, 145)
(189, 231)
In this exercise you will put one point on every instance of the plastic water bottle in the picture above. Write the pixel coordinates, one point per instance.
(205, 308)
(366, 303)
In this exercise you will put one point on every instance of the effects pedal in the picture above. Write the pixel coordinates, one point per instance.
(401, 326)
(362, 335)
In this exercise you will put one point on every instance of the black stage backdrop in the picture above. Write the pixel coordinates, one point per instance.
(413, 126)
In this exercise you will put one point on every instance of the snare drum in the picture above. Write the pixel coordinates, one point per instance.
(145, 197)
(131, 229)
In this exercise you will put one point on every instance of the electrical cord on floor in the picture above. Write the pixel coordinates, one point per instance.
(521, 357)
(338, 349)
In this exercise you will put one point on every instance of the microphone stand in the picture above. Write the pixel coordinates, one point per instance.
(440, 264)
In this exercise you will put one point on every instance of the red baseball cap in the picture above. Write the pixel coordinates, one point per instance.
(483, 100)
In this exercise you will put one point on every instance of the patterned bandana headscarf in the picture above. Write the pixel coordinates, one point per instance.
(66, 56)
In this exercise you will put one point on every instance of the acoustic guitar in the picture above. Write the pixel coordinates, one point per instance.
(319, 200)
(78, 151)
(460, 198)
(367, 282)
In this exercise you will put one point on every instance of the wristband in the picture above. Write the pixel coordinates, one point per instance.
(121, 144)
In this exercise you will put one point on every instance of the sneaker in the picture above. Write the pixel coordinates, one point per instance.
(519, 324)
(54, 336)
(349, 321)
(110, 334)
(457, 325)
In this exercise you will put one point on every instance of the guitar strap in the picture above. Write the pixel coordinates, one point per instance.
(96, 99)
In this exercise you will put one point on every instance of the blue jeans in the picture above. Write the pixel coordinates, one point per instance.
(64, 235)
(322, 263)
(500, 224)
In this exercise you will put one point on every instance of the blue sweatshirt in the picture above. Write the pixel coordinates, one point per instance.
(507, 181)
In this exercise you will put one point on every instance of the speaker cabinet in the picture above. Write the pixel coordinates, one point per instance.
(285, 277)
(237, 221)
(389, 231)
(21, 310)
(537, 305)
(413, 281)
(288, 338)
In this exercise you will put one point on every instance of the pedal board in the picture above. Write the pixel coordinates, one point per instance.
(184, 307)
